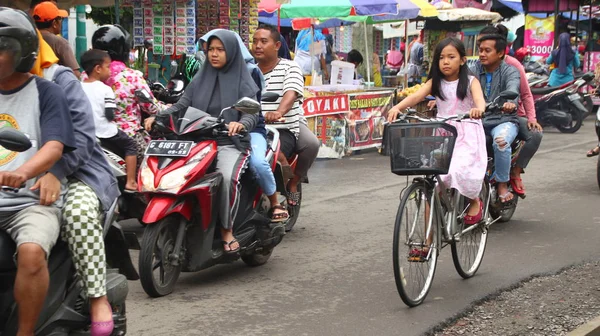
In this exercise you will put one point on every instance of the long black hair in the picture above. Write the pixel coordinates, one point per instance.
(436, 75)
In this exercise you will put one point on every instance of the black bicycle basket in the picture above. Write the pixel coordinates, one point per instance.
(420, 148)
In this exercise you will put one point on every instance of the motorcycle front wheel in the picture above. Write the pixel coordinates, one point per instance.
(158, 275)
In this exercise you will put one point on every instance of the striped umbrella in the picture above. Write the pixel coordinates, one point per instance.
(386, 10)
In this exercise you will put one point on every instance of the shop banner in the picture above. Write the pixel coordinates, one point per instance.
(346, 122)
(539, 35)
(324, 105)
(365, 121)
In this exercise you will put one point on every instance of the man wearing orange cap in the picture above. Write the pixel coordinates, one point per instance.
(48, 19)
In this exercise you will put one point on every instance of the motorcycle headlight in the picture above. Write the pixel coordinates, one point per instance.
(147, 177)
(172, 182)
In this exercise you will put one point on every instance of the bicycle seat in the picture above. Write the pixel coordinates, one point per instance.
(7, 251)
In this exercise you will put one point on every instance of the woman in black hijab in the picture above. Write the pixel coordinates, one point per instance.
(223, 80)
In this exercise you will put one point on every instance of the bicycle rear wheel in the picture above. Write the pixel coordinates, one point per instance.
(469, 248)
(415, 250)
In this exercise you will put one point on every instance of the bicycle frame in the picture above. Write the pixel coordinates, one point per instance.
(446, 209)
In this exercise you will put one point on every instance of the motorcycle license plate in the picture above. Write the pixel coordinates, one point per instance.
(169, 148)
(574, 97)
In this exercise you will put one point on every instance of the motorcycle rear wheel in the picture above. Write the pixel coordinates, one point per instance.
(506, 214)
(157, 244)
(257, 259)
(294, 211)
(575, 124)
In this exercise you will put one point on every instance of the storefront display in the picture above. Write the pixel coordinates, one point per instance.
(347, 121)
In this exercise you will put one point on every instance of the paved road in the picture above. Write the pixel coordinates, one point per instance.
(333, 274)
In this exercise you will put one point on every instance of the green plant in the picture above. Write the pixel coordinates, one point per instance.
(106, 15)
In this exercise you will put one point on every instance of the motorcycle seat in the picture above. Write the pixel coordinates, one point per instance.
(544, 91)
(7, 252)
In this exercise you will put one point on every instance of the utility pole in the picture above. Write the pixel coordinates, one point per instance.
(81, 39)
(556, 22)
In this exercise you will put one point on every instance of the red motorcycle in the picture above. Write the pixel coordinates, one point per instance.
(178, 177)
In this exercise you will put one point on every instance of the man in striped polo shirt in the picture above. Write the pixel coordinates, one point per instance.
(284, 77)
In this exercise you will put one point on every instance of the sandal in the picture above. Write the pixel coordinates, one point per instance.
(417, 255)
(293, 197)
(503, 197)
(278, 217)
(472, 220)
(516, 189)
(593, 152)
(228, 244)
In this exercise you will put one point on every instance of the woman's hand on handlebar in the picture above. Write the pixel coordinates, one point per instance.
(508, 107)
(234, 128)
(476, 113)
(148, 123)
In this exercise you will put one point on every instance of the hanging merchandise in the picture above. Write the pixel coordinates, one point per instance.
(170, 25)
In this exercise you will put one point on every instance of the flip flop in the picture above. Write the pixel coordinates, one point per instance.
(279, 217)
(229, 245)
(593, 152)
(513, 183)
(504, 196)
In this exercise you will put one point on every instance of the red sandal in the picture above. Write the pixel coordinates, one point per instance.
(516, 189)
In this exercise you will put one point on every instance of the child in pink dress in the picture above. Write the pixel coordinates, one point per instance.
(457, 92)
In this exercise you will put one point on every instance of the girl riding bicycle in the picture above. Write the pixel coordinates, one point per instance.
(455, 92)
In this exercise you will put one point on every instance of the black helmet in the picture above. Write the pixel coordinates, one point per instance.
(115, 40)
(17, 32)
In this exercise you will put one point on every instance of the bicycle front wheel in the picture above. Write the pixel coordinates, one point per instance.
(468, 247)
(416, 246)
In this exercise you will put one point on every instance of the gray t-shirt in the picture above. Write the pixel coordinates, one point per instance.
(39, 109)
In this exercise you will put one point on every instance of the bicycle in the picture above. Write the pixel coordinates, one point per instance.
(425, 148)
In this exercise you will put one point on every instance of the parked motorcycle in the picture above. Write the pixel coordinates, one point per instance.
(178, 177)
(561, 107)
(65, 310)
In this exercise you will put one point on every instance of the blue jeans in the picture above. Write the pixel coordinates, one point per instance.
(503, 136)
(259, 165)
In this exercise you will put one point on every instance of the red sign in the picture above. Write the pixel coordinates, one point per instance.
(325, 105)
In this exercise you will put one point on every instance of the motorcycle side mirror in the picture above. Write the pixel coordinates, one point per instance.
(247, 105)
(509, 95)
(269, 97)
(14, 140)
(588, 76)
(143, 96)
(176, 85)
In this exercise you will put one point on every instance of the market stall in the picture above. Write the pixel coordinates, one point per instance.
(348, 118)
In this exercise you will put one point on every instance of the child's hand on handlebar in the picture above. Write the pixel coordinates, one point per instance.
(148, 123)
(508, 107)
(393, 114)
(431, 105)
(476, 113)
